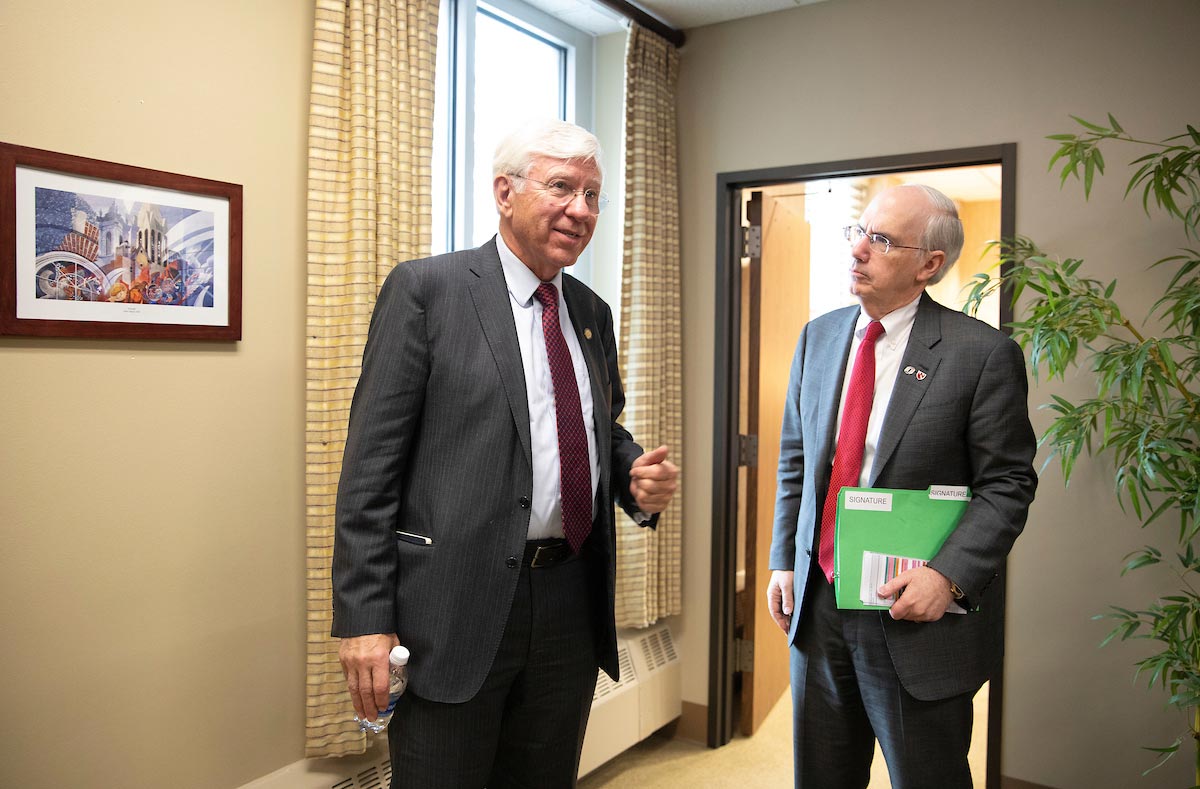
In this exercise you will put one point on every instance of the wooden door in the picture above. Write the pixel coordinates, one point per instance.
(775, 309)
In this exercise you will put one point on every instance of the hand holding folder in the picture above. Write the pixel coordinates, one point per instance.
(883, 532)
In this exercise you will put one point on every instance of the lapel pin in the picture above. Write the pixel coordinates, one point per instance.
(587, 333)
(921, 375)
(909, 370)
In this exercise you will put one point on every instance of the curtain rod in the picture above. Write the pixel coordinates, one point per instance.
(636, 14)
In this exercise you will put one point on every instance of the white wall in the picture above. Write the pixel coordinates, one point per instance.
(608, 242)
(859, 78)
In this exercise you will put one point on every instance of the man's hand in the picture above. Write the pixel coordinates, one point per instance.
(926, 594)
(652, 481)
(780, 598)
(365, 662)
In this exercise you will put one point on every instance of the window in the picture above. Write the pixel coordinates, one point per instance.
(499, 64)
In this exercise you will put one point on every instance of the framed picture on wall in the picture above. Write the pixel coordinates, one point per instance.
(94, 249)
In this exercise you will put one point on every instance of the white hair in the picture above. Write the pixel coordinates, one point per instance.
(553, 139)
(943, 231)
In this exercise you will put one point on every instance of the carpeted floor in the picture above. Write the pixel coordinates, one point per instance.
(759, 762)
(764, 760)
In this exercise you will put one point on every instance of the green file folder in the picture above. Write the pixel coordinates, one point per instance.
(901, 523)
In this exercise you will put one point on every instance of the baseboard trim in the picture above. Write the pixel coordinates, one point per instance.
(1016, 783)
(324, 773)
(692, 724)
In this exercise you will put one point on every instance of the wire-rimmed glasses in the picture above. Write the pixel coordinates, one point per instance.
(879, 243)
(563, 193)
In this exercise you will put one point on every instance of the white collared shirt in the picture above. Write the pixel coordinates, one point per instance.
(889, 351)
(545, 519)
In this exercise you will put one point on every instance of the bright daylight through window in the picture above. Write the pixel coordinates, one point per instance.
(499, 64)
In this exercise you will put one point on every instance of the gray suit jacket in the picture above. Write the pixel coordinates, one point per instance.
(433, 502)
(966, 422)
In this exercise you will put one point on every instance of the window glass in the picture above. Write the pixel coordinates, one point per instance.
(519, 76)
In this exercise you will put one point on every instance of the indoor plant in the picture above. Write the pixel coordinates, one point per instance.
(1145, 414)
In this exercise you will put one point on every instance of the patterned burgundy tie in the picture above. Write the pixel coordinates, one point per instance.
(852, 437)
(575, 475)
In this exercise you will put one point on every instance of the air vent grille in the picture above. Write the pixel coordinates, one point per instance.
(625, 661)
(377, 776)
(658, 649)
(604, 684)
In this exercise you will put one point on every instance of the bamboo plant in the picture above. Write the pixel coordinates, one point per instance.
(1145, 414)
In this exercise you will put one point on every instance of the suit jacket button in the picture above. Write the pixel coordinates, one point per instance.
(511, 561)
(524, 502)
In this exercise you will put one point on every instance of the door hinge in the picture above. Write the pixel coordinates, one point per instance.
(743, 654)
(747, 450)
(752, 241)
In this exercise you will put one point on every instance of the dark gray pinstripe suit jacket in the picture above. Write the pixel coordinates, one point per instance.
(965, 423)
(439, 446)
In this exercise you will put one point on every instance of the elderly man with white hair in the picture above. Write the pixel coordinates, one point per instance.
(475, 511)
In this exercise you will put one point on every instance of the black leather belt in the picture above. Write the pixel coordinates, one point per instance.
(547, 553)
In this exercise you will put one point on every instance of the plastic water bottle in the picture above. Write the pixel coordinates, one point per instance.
(397, 682)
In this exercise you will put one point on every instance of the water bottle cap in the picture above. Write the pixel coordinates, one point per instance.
(398, 656)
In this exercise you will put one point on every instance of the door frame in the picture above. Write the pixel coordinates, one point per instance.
(730, 186)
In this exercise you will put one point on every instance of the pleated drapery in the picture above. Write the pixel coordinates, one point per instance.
(369, 206)
(651, 349)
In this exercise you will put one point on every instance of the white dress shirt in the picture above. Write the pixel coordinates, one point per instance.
(545, 519)
(889, 350)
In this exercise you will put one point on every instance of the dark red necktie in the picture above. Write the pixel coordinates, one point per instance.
(852, 438)
(575, 474)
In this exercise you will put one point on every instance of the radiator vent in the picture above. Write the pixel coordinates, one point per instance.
(657, 648)
(377, 776)
(604, 684)
(647, 697)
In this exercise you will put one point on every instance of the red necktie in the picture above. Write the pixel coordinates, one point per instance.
(575, 475)
(852, 437)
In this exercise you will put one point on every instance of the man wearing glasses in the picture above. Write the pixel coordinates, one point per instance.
(475, 510)
(898, 392)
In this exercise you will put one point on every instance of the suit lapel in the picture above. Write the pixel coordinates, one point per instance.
(833, 357)
(910, 389)
(489, 292)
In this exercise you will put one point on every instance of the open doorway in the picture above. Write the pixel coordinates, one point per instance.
(780, 265)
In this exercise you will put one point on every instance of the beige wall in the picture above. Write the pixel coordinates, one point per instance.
(151, 499)
(857, 78)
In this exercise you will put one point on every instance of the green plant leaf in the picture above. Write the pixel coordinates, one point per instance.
(1144, 413)
(1087, 125)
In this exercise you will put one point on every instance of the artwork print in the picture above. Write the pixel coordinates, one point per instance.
(94, 249)
(102, 249)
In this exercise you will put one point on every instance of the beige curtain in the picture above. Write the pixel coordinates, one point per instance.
(648, 562)
(369, 202)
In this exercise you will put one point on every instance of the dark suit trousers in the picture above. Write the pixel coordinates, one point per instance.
(845, 694)
(525, 726)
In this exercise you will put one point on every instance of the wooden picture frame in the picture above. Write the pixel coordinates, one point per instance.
(97, 250)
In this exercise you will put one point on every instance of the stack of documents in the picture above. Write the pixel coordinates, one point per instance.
(884, 532)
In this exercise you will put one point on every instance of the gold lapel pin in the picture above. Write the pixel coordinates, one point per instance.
(587, 333)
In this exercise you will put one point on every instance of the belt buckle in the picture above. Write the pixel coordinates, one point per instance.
(546, 555)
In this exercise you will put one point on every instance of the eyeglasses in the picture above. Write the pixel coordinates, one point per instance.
(879, 243)
(561, 192)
